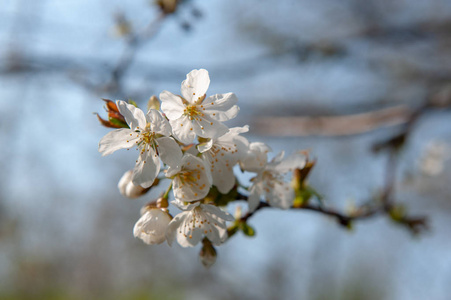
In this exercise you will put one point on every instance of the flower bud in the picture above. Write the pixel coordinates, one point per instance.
(153, 103)
(151, 227)
(128, 189)
(207, 254)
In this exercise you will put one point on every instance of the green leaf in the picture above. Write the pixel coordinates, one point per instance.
(118, 122)
(247, 229)
(232, 230)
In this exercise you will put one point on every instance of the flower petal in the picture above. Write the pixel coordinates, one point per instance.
(171, 105)
(182, 206)
(193, 182)
(256, 157)
(158, 123)
(152, 226)
(205, 146)
(209, 128)
(117, 139)
(169, 151)
(214, 210)
(281, 195)
(253, 199)
(195, 85)
(182, 129)
(221, 107)
(294, 161)
(134, 117)
(173, 226)
(187, 234)
(146, 169)
(221, 168)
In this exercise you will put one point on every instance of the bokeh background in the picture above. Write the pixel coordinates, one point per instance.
(66, 232)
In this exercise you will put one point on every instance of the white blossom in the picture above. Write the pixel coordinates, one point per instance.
(256, 157)
(270, 182)
(193, 113)
(222, 154)
(198, 220)
(128, 189)
(152, 226)
(191, 181)
(150, 133)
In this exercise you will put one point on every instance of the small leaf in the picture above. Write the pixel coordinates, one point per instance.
(232, 230)
(247, 229)
(130, 101)
(397, 212)
(118, 123)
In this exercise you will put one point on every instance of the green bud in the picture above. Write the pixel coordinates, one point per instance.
(247, 229)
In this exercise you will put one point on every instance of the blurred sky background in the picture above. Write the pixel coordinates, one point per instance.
(66, 232)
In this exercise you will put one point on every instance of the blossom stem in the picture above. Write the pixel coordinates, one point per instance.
(166, 194)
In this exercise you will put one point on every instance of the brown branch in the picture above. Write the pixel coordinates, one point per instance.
(332, 125)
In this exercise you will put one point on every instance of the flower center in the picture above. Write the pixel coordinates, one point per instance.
(189, 177)
(192, 112)
(146, 138)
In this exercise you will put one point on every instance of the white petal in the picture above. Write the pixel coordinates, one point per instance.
(124, 181)
(253, 199)
(182, 129)
(214, 210)
(234, 131)
(278, 158)
(195, 85)
(152, 226)
(205, 146)
(189, 235)
(222, 173)
(173, 226)
(256, 157)
(294, 161)
(171, 105)
(198, 183)
(117, 139)
(221, 107)
(190, 191)
(146, 169)
(158, 123)
(169, 150)
(182, 206)
(209, 128)
(134, 117)
(172, 171)
(127, 188)
(282, 195)
(215, 233)
(195, 163)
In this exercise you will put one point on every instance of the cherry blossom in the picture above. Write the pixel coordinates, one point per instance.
(198, 220)
(222, 154)
(193, 113)
(152, 226)
(150, 133)
(191, 181)
(270, 183)
(128, 189)
(256, 157)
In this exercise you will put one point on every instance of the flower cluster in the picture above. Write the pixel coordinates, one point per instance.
(188, 143)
